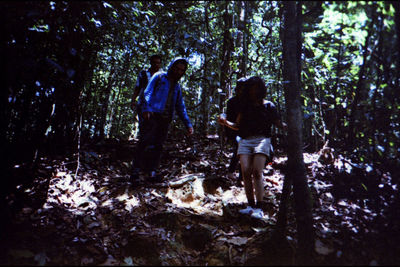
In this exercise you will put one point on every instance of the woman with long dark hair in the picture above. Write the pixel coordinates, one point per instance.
(253, 124)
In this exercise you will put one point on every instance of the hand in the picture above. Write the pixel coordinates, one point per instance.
(221, 121)
(190, 131)
(146, 115)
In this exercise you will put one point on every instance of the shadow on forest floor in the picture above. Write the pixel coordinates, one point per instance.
(192, 218)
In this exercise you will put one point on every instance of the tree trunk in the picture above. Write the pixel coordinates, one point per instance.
(205, 93)
(114, 126)
(225, 70)
(333, 118)
(226, 52)
(241, 38)
(396, 5)
(88, 90)
(375, 119)
(296, 168)
(105, 104)
(67, 95)
(360, 90)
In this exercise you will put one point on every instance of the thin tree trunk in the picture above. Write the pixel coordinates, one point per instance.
(242, 37)
(396, 5)
(105, 104)
(225, 70)
(359, 90)
(335, 119)
(375, 117)
(245, 38)
(226, 53)
(114, 127)
(283, 207)
(205, 93)
(296, 168)
(287, 183)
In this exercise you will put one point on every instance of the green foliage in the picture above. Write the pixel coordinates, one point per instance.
(338, 44)
(66, 60)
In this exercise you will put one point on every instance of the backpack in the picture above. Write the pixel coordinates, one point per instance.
(143, 80)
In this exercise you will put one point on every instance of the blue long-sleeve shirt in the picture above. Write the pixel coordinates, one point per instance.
(156, 94)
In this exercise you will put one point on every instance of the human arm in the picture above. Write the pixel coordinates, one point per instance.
(181, 111)
(276, 119)
(134, 96)
(280, 124)
(136, 91)
(151, 96)
(232, 125)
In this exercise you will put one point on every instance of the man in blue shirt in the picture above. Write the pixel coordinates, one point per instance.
(162, 98)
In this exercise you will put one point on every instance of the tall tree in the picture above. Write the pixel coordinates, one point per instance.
(106, 100)
(227, 49)
(241, 39)
(360, 90)
(206, 90)
(397, 21)
(296, 168)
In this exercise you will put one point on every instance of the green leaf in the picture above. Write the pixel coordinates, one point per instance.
(151, 13)
(364, 186)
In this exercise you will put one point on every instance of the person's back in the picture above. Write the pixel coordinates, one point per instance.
(143, 80)
(257, 120)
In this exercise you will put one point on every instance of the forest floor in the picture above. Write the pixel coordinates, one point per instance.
(192, 218)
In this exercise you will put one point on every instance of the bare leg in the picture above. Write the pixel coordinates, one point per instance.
(258, 165)
(246, 165)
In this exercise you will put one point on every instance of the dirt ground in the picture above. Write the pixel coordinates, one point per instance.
(90, 214)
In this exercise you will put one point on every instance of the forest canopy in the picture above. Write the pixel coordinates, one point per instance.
(70, 69)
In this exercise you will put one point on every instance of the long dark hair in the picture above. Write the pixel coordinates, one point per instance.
(261, 91)
(260, 86)
(241, 85)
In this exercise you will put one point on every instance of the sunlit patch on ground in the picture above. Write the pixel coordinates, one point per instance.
(74, 195)
(193, 196)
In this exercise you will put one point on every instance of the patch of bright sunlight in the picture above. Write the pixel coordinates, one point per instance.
(75, 195)
(234, 195)
(130, 202)
(192, 196)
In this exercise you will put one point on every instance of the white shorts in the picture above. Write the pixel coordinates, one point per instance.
(254, 145)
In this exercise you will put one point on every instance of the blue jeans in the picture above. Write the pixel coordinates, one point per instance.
(152, 135)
